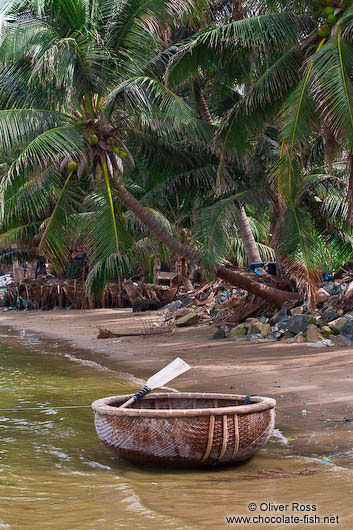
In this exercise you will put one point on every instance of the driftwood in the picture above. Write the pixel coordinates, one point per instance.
(107, 334)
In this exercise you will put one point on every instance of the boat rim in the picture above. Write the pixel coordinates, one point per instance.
(258, 404)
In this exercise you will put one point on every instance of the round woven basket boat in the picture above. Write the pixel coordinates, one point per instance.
(185, 429)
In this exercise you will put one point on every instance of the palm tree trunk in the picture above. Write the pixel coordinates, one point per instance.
(246, 234)
(252, 252)
(201, 104)
(237, 279)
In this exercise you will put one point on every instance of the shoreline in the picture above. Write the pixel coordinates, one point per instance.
(300, 378)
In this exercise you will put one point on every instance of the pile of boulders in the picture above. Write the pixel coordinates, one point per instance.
(330, 324)
(328, 329)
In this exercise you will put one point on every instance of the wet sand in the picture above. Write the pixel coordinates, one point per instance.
(300, 378)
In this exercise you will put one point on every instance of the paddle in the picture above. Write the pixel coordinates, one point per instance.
(161, 378)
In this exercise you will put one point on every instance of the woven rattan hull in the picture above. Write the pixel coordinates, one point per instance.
(185, 429)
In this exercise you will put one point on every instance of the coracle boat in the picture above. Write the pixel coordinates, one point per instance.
(185, 429)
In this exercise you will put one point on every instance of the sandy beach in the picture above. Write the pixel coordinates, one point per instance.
(313, 387)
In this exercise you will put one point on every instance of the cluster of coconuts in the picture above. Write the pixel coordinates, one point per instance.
(116, 149)
(93, 140)
(331, 12)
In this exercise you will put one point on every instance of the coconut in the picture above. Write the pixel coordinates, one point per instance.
(72, 166)
(331, 19)
(324, 30)
(123, 154)
(93, 139)
(80, 123)
(328, 11)
(116, 150)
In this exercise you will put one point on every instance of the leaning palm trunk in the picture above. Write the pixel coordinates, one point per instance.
(252, 252)
(237, 279)
(251, 249)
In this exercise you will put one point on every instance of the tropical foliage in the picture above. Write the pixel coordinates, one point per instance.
(219, 131)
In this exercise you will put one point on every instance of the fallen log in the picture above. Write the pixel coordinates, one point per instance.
(107, 334)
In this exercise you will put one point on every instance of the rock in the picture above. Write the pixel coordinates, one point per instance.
(297, 311)
(173, 306)
(238, 330)
(281, 326)
(256, 338)
(265, 330)
(313, 334)
(186, 301)
(326, 331)
(190, 319)
(321, 343)
(219, 334)
(213, 313)
(338, 323)
(276, 318)
(275, 335)
(241, 338)
(298, 323)
(328, 316)
(251, 321)
(333, 288)
(349, 292)
(314, 320)
(341, 340)
(288, 335)
(298, 339)
(255, 328)
(347, 329)
(322, 296)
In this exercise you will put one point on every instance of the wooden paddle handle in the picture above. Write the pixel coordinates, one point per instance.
(145, 390)
(127, 403)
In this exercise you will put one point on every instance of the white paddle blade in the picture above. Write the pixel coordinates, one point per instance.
(169, 372)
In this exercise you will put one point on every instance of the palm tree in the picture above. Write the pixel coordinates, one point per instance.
(301, 77)
(69, 103)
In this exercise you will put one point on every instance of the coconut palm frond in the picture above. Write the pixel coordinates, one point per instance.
(27, 232)
(272, 32)
(237, 252)
(276, 81)
(49, 147)
(32, 200)
(300, 250)
(107, 261)
(55, 239)
(139, 231)
(214, 226)
(333, 86)
(144, 94)
(18, 127)
(56, 224)
(298, 115)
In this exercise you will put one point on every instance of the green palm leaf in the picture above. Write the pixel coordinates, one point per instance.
(333, 88)
(55, 238)
(18, 127)
(106, 262)
(146, 95)
(274, 32)
(49, 147)
(214, 227)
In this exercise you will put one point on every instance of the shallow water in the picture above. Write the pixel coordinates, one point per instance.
(54, 472)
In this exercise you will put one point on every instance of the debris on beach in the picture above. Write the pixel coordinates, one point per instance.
(234, 314)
